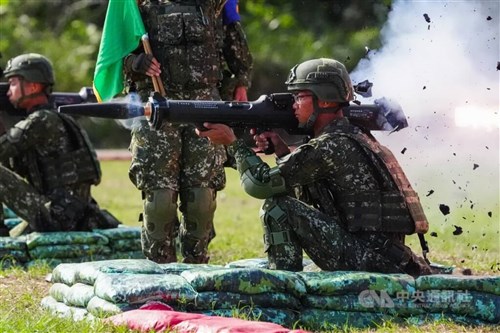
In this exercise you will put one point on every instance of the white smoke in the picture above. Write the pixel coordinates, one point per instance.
(438, 57)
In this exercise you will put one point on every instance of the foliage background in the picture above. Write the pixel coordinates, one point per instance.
(280, 34)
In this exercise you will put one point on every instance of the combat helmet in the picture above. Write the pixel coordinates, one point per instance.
(32, 67)
(328, 79)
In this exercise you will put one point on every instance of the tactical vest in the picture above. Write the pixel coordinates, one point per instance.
(75, 167)
(185, 40)
(395, 208)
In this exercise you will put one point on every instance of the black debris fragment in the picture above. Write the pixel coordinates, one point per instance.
(458, 230)
(498, 65)
(489, 214)
(423, 88)
(403, 151)
(429, 193)
(444, 209)
(475, 166)
(433, 234)
(427, 18)
(488, 18)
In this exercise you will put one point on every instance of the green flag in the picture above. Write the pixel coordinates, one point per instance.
(121, 34)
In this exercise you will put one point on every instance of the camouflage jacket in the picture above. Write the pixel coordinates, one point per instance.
(193, 45)
(338, 175)
(51, 151)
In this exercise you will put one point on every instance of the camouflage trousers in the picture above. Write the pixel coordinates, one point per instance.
(175, 164)
(291, 226)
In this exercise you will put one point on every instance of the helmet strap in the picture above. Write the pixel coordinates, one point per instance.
(309, 124)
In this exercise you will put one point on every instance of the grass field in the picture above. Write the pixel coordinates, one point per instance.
(239, 236)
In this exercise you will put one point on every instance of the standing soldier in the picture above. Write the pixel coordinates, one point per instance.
(188, 39)
(53, 155)
(342, 197)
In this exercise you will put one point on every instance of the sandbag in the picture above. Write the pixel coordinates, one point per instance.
(208, 300)
(65, 273)
(122, 232)
(13, 243)
(487, 284)
(36, 239)
(101, 308)
(63, 310)
(79, 295)
(126, 244)
(68, 251)
(316, 319)
(245, 281)
(11, 222)
(178, 267)
(283, 317)
(58, 291)
(88, 272)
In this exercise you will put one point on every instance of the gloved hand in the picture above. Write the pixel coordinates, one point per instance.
(139, 63)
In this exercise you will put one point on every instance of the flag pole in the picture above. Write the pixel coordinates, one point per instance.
(157, 84)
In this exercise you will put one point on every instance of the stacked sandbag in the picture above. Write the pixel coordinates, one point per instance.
(124, 241)
(60, 247)
(13, 251)
(10, 218)
(255, 293)
(108, 287)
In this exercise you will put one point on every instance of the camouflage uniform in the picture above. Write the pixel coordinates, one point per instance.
(52, 153)
(190, 41)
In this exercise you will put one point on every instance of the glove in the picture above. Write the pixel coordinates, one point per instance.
(139, 63)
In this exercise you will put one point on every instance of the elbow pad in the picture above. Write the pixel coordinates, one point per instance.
(262, 190)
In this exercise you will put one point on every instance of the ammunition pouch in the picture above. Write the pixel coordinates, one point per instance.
(376, 211)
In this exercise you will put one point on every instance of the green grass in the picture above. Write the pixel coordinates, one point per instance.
(239, 235)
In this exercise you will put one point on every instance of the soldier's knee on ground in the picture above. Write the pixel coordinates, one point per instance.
(160, 224)
(197, 229)
(281, 245)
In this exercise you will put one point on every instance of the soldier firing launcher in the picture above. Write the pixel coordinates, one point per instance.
(267, 112)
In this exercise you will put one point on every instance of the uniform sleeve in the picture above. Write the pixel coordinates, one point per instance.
(235, 47)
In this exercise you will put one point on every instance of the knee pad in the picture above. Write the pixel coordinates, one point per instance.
(197, 229)
(160, 213)
(283, 250)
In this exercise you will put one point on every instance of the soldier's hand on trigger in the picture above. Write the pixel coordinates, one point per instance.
(263, 140)
(146, 64)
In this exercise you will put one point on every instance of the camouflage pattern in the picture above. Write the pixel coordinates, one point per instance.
(79, 295)
(208, 300)
(36, 239)
(324, 320)
(245, 281)
(123, 245)
(59, 291)
(487, 284)
(284, 317)
(140, 288)
(338, 283)
(178, 267)
(102, 308)
(68, 251)
(62, 310)
(123, 232)
(319, 175)
(189, 40)
(31, 150)
(11, 243)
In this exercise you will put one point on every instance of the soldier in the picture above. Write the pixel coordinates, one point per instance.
(342, 197)
(190, 40)
(51, 162)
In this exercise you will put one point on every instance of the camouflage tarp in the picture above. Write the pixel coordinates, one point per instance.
(79, 295)
(339, 283)
(140, 288)
(36, 239)
(327, 319)
(178, 267)
(208, 300)
(121, 232)
(246, 281)
(488, 284)
(58, 291)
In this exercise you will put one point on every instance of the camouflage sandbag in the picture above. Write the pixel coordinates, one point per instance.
(62, 310)
(8, 213)
(13, 243)
(36, 239)
(323, 320)
(282, 317)
(246, 281)
(53, 262)
(79, 295)
(127, 255)
(122, 232)
(341, 283)
(10, 223)
(178, 267)
(141, 288)
(126, 244)
(69, 251)
(87, 272)
(208, 300)
(483, 306)
(14, 255)
(101, 308)
(364, 302)
(487, 284)
(65, 273)
(252, 263)
(58, 291)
